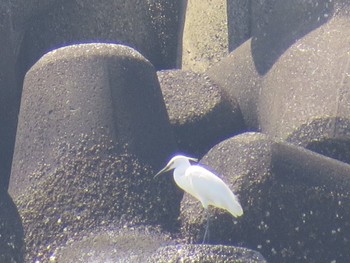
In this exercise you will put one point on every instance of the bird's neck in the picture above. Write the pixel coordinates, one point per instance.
(180, 170)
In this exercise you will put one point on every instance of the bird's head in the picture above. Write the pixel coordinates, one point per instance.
(176, 161)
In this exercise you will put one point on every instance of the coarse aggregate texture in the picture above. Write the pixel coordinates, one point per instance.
(200, 113)
(11, 231)
(189, 96)
(132, 244)
(206, 253)
(90, 186)
(295, 202)
(204, 43)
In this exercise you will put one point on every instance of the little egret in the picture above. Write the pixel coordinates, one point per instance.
(203, 185)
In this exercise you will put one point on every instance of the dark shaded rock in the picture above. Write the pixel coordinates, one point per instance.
(23, 10)
(206, 253)
(92, 130)
(237, 77)
(10, 39)
(140, 25)
(166, 18)
(111, 245)
(11, 231)
(200, 114)
(12, 17)
(239, 19)
(335, 148)
(295, 202)
(305, 96)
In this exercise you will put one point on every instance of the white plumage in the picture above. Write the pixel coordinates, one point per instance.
(203, 185)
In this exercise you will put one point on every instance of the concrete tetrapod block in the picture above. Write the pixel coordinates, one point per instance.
(93, 129)
(305, 96)
(206, 253)
(295, 202)
(200, 114)
(11, 231)
(274, 26)
(30, 28)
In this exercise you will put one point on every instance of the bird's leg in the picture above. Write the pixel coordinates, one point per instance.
(206, 233)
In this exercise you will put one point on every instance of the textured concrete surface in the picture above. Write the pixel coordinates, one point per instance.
(205, 35)
(239, 80)
(206, 253)
(200, 114)
(295, 201)
(239, 22)
(113, 245)
(305, 96)
(29, 29)
(302, 98)
(91, 126)
(276, 25)
(141, 25)
(11, 231)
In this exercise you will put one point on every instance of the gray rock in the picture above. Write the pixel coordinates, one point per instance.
(206, 253)
(9, 89)
(92, 131)
(200, 114)
(295, 202)
(11, 231)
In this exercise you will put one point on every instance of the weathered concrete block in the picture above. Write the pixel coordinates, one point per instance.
(30, 28)
(305, 96)
(92, 131)
(295, 202)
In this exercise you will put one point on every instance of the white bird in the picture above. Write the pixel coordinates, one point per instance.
(203, 185)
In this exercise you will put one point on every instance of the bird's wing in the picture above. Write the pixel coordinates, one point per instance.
(211, 190)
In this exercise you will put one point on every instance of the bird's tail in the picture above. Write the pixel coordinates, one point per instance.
(236, 209)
